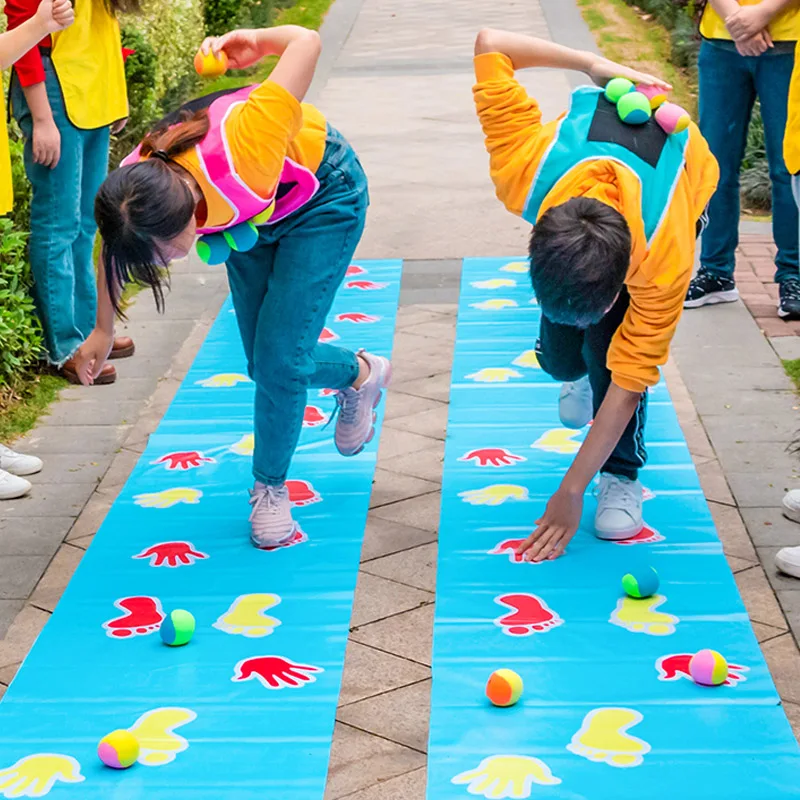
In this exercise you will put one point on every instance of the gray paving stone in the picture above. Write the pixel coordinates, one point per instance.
(92, 410)
(421, 512)
(759, 598)
(747, 403)
(722, 430)
(790, 603)
(51, 499)
(67, 439)
(19, 575)
(435, 388)
(33, 536)
(390, 487)
(769, 528)
(410, 786)
(416, 567)
(787, 347)
(426, 464)
(8, 612)
(760, 488)
(383, 537)
(780, 582)
(408, 635)
(377, 598)
(73, 468)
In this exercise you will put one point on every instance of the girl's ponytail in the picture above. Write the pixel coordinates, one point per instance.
(167, 143)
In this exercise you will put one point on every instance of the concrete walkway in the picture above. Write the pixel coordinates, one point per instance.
(396, 78)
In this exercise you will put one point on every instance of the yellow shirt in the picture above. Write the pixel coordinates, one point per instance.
(791, 140)
(517, 140)
(6, 185)
(262, 132)
(785, 27)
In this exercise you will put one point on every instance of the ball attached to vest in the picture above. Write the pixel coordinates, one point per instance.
(504, 688)
(640, 582)
(177, 628)
(118, 750)
(208, 65)
(708, 668)
(634, 108)
(656, 96)
(213, 249)
(616, 88)
(241, 238)
(672, 118)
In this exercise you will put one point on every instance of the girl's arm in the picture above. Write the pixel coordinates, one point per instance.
(51, 16)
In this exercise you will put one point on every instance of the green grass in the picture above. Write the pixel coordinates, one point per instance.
(21, 414)
(792, 367)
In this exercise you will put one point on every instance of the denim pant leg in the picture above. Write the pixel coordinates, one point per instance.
(55, 223)
(773, 74)
(727, 95)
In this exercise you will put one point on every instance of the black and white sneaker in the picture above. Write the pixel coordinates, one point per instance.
(707, 289)
(789, 303)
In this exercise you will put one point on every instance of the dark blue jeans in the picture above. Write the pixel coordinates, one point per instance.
(729, 86)
(283, 290)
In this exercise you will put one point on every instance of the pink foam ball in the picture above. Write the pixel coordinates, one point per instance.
(672, 118)
(708, 668)
(656, 96)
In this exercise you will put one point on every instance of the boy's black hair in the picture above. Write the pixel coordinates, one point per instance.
(579, 253)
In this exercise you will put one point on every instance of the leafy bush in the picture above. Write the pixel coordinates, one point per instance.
(219, 14)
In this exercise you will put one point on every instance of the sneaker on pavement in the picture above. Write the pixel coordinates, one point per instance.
(575, 409)
(271, 518)
(17, 463)
(355, 425)
(619, 508)
(12, 486)
(707, 289)
(789, 302)
(787, 560)
(791, 505)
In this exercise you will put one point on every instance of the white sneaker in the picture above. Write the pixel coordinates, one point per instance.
(18, 464)
(788, 560)
(12, 487)
(575, 409)
(619, 508)
(791, 505)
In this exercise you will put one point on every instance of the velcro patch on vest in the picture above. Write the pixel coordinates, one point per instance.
(645, 141)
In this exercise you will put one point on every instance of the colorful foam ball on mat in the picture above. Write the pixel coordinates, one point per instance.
(672, 118)
(213, 249)
(177, 628)
(640, 582)
(211, 66)
(616, 88)
(118, 750)
(708, 668)
(634, 108)
(656, 96)
(241, 238)
(504, 687)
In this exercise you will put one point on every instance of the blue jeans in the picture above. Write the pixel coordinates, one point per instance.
(283, 290)
(729, 85)
(62, 223)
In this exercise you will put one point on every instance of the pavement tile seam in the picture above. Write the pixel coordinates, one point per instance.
(378, 736)
(384, 691)
(422, 604)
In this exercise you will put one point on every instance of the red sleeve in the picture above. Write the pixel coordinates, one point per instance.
(29, 68)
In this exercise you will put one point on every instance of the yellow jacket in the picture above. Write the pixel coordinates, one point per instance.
(6, 185)
(791, 140)
(517, 140)
(785, 27)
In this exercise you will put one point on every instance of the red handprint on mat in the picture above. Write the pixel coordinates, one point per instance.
(328, 335)
(172, 554)
(298, 537)
(313, 416)
(302, 493)
(328, 392)
(530, 615)
(509, 547)
(671, 668)
(143, 615)
(354, 269)
(274, 672)
(357, 317)
(492, 457)
(646, 535)
(365, 286)
(190, 459)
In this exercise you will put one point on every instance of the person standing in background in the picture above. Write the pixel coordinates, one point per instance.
(747, 53)
(68, 94)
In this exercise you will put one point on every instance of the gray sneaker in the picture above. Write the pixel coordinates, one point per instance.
(619, 508)
(355, 425)
(271, 517)
(575, 409)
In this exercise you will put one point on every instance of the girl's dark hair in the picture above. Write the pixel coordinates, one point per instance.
(141, 206)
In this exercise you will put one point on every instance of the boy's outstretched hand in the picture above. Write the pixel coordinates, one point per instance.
(55, 15)
(603, 70)
(555, 528)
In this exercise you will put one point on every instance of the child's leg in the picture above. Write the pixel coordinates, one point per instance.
(559, 351)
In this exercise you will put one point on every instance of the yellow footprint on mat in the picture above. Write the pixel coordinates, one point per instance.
(558, 440)
(515, 266)
(603, 737)
(640, 616)
(245, 446)
(494, 495)
(226, 380)
(168, 498)
(246, 616)
(494, 283)
(527, 359)
(155, 731)
(506, 776)
(494, 375)
(495, 304)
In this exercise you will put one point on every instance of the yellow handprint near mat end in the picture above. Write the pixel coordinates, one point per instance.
(494, 375)
(495, 304)
(506, 776)
(224, 380)
(168, 498)
(527, 359)
(155, 731)
(494, 283)
(245, 446)
(494, 495)
(35, 776)
(640, 616)
(558, 440)
(515, 266)
(246, 616)
(603, 737)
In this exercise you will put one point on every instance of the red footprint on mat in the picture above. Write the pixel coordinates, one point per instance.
(646, 535)
(671, 668)
(298, 537)
(274, 672)
(313, 417)
(357, 317)
(354, 269)
(328, 392)
(302, 493)
(143, 615)
(328, 335)
(531, 615)
(365, 286)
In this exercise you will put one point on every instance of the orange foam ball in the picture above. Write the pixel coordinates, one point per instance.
(211, 66)
(504, 688)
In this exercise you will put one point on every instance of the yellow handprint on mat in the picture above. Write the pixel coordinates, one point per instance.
(155, 731)
(494, 304)
(515, 266)
(494, 375)
(558, 440)
(506, 776)
(168, 498)
(640, 616)
(224, 380)
(494, 283)
(35, 776)
(603, 737)
(494, 495)
(246, 616)
(527, 359)
(245, 446)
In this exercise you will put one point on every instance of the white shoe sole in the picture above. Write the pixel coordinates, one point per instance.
(618, 536)
(8, 495)
(713, 298)
(784, 566)
(22, 473)
(791, 513)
